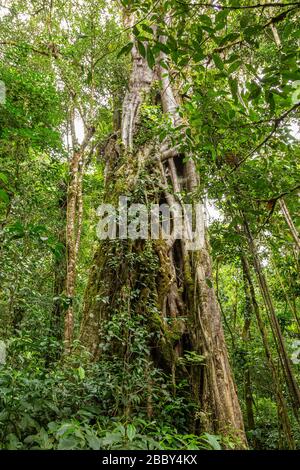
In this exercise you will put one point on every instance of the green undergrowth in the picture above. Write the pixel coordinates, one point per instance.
(76, 405)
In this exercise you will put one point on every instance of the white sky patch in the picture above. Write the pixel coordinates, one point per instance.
(79, 129)
(295, 129)
(64, 25)
(3, 11)
(212, 213)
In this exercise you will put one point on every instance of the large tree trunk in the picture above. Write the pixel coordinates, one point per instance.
(163, 281)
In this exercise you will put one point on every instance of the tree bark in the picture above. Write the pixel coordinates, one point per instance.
(278, 337)
(289, 222)
(60, 270)
(247, 369)
(74, 225)
(283, 417)
(186, 315)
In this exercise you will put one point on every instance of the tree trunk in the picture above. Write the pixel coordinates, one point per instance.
(283, 417)
(289, 302)
(74, 225)
(60, 270)
(71, 247)
(289, 222)
(232, 335)
(247, 369)
(175, 293)
(278, 337)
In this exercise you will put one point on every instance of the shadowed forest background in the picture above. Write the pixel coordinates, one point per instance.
(145, 344)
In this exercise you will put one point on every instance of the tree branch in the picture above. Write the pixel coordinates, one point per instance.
(277, 122)
(240, 7)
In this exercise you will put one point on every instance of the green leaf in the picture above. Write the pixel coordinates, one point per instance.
(68, 443)
(218, 61)
(244, 21)
(65, 428)
(163, 64)
(135, 31)
(234, 66)
(233, 87)
(250, 68)
(212, 440)
(89, 77)
(4, 196)
(112, 438)
(270, 100)
(3, 178)
(81, 372)
(141, 49)
(163, 47)
(294, 75)
(131, 432)
(94, 442)
(126, 49)
(13, 442)
(220, 20)
(172, 43)
(251, 31)
(229, 38)
(199, 55)
(146, 28)
(150, 58)
(255, 91)
(17, 230)
(204, 19)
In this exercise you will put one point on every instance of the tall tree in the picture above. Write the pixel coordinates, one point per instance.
(178, 302)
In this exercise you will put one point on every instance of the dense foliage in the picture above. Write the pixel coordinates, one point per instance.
(65, 67)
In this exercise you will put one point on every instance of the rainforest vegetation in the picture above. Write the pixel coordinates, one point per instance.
(123, 343)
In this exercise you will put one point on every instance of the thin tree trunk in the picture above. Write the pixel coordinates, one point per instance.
(288, 300)
(71, 248)
(74, 225)
(283, 206)
(283, 417)
(60, 270)
(247, 371)
(279, 340)
(289, 222)
(221, 308)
